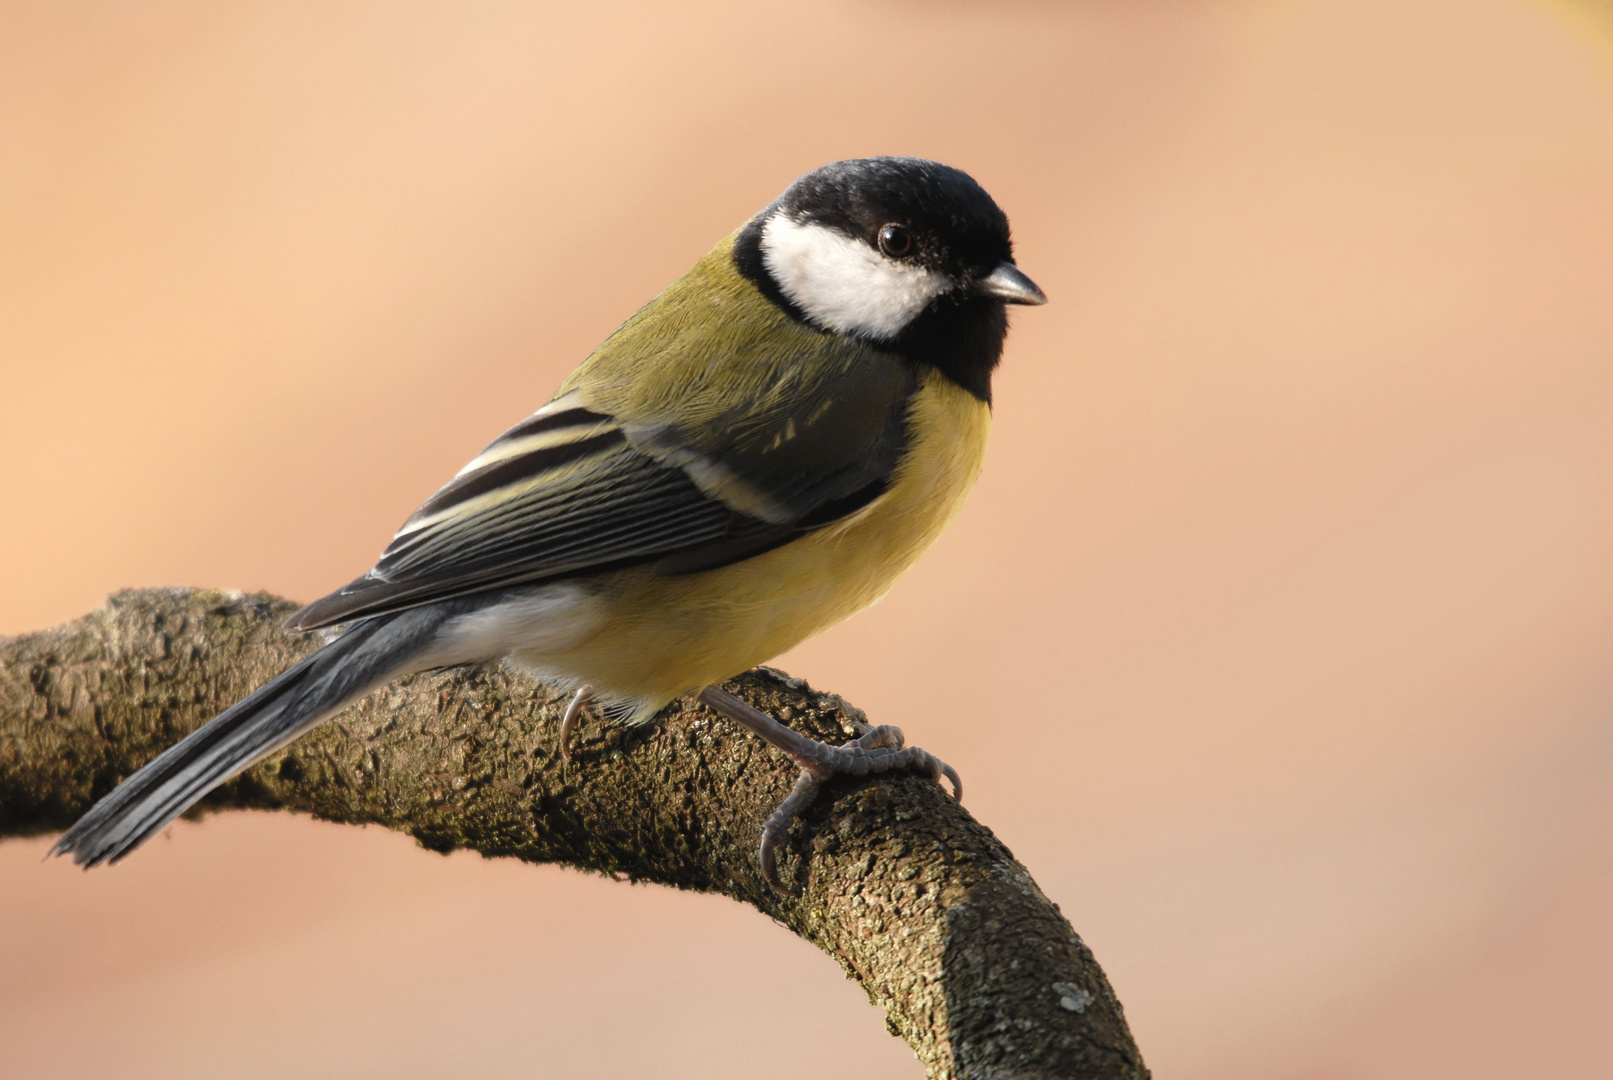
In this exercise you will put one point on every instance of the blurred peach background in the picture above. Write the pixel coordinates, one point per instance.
(1275, 639)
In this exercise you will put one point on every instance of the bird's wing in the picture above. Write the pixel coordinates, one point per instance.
(574, 489)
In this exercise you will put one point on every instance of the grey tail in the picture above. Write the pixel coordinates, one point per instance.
(368, 654)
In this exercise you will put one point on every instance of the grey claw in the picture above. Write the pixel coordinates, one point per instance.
(777, 827)
(877, 750)
(885, 735)
(579, 702)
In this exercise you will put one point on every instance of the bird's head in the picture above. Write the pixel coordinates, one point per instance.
(902, 253)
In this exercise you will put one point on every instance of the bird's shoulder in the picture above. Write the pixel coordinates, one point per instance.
(755, 405)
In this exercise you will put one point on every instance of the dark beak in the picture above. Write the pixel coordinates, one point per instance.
(1010, 286)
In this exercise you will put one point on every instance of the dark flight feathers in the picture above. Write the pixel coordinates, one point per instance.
(571, 491)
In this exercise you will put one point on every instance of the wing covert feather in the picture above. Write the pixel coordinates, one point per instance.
(689, 450)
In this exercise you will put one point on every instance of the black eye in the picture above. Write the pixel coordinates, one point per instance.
(895, 241)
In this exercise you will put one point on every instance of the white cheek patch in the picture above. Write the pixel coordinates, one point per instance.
(844, 284)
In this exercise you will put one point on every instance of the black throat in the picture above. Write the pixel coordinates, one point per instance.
(960, 338)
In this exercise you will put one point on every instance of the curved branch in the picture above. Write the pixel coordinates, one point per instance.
(921, 904)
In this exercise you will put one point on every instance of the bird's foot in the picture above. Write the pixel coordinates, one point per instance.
(579, 702)
(878, 750)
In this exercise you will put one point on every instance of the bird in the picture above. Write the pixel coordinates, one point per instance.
(753, 456)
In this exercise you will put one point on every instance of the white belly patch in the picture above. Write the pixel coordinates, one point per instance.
(546, 619)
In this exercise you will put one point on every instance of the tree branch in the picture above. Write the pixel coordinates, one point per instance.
(921, 904)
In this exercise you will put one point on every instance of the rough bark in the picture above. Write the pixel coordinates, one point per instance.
(918, 902)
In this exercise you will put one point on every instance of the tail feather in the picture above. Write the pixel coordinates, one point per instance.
(368, 654)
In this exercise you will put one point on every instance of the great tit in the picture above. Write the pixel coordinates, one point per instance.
(756, 454)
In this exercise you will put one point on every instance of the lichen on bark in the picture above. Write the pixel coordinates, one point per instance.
(975, 968)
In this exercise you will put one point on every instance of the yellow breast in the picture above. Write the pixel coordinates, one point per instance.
(660, 637)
